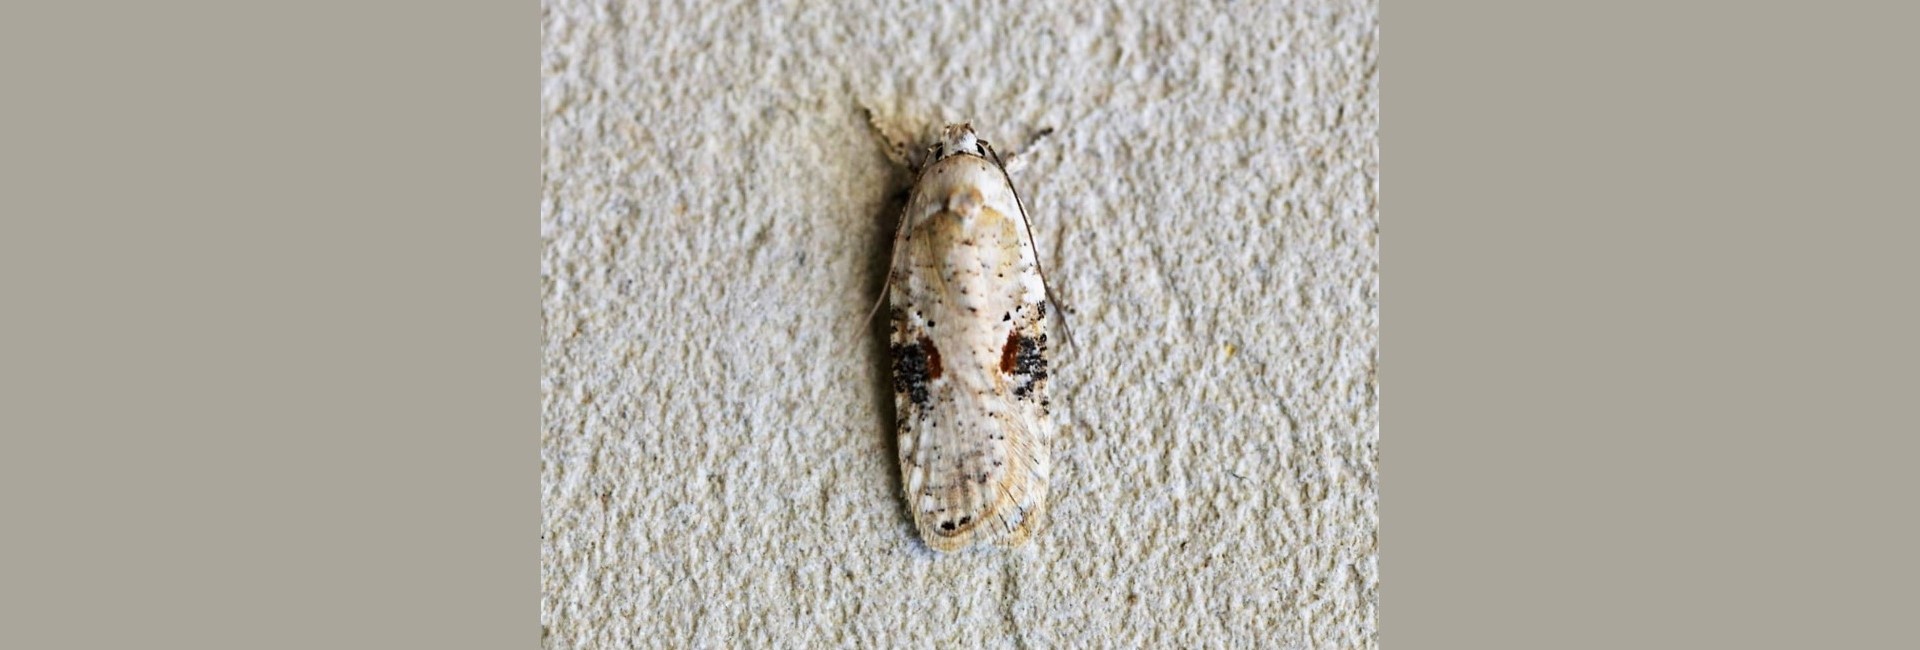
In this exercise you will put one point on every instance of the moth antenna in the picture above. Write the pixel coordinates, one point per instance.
(893, 267)
(1039, 267)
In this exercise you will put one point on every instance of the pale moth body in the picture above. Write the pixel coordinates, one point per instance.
(970, 325)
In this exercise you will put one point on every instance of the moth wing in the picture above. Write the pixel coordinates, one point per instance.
(993, 489)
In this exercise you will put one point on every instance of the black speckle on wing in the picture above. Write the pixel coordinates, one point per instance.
(912, 369)
(1026, 359)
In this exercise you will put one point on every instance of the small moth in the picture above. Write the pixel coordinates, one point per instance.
(971, 319)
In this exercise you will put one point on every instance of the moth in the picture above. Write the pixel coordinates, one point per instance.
(972, 324)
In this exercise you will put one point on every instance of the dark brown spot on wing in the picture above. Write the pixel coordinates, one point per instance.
(1025, 358)
(910, 374)
(933, 357)
(1010, 355)
(1033, 356)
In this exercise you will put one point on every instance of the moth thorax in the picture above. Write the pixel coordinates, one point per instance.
(959, 139)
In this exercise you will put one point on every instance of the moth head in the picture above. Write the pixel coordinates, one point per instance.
(959, 139)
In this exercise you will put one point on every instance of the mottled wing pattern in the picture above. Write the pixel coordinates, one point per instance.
(970, 326)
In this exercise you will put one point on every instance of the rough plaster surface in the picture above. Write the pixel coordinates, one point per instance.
(717, 463)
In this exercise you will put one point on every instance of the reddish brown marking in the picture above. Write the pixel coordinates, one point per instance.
(933, 357)
(1010, 355)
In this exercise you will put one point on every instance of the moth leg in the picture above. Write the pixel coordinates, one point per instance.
(899, 149)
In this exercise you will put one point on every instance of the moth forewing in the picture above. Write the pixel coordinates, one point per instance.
(971, 329)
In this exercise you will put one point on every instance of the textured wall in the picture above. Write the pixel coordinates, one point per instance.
(716, 459)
